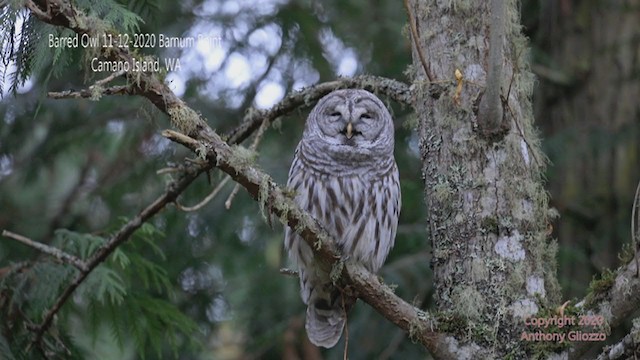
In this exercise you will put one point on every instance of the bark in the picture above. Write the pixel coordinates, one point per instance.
(493, 262)
(588, 110)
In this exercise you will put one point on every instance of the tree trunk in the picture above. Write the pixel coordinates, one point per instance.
(493, 262)
(587, 104)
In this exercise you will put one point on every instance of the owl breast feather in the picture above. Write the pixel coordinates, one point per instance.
(359, 209)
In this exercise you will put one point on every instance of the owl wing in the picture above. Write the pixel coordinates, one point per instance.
(326, 315)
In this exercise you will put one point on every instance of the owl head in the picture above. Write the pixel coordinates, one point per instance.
(351, 121)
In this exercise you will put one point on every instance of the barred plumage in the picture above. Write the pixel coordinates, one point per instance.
(345, 175)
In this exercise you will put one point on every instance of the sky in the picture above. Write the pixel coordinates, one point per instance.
(228, 69)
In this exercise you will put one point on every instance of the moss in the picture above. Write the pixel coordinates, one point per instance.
(542, 349)
(450, 322)
(411, 122)
(489, 224)
(284, 214)
(549, 261)
(463, 6)
(598, 287)
(277, 124)
(416, 328)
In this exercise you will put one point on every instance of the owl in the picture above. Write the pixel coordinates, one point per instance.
(344, 174)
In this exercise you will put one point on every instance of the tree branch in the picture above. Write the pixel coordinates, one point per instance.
(116, 239)
(89, 93)
(262, 188)
(616, 303)
(627, 348)
(49, 250)
(416, 42)
(414, 321)
(395, 90)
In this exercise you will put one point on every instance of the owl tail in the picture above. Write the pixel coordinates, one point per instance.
(326, 316)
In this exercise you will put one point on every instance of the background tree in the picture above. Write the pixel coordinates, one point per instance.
(75, 174)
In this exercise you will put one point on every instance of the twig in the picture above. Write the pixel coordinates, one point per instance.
(206, 200)
(366, 284)
(346, 330)
(635, 234)
(371, 290)
(416, 42)
(108, 78)
(70, 198)
(168, 170)
(49, 250)
(288, 272)
(118, 238)
(394, 89)
(45, 16)
(253, 147)
(91, 91)
(88, 93)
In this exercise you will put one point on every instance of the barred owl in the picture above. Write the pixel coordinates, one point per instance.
(344, 174)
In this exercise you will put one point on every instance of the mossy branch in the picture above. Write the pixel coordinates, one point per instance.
(627, 348)
(369, 288)
(395, 90)
(202, 139)
(617, 297)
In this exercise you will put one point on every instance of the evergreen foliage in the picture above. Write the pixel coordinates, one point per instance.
(190, 285)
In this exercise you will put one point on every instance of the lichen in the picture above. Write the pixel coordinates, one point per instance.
(510, 247)
(263, 196)
(241, 156)
(468, 302)
(184, 119)
(479, 271)
(627, 253)
(96, 92)
(416, 328)
(535, 285)
(443, 192)
(336, 271)
(202, 151)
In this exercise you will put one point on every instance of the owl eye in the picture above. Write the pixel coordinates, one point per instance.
(365, 116)
(335, 113)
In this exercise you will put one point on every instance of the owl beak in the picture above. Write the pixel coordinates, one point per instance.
(349, 131)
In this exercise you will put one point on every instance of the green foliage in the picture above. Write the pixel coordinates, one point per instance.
(5, 349)
(115, 14)
(78, 168)
(599, 285)
(130, 293)
(25, 50)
